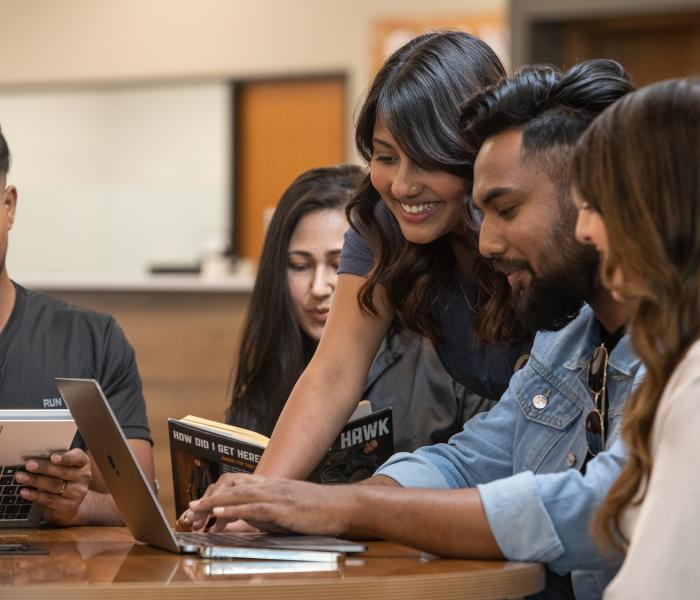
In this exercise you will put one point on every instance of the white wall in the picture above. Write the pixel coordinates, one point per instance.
(62, 41)
(129, 193)
(113, 180)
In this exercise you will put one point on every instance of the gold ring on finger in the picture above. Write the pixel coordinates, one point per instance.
(62, 491)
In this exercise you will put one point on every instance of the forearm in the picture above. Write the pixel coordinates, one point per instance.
(331, 386)
(293, 456)
(449, 523)
(443, 522)
(98, 509)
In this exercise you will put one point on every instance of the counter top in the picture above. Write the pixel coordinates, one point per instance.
(134, 282)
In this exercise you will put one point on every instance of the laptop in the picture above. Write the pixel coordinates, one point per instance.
(25, 434)
(138, 565)
(143, 514)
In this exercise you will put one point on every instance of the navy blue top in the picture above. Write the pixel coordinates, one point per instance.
(484, 369)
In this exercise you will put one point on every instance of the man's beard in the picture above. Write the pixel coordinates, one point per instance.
(554, 299)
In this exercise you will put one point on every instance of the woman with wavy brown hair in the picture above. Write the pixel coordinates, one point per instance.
(288, 310)
(412, 250)
(637, 174)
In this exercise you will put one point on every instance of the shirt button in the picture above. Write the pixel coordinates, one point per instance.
(571, 459)
(539, 401)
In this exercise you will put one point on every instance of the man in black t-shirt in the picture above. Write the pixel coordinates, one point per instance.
(42, 338)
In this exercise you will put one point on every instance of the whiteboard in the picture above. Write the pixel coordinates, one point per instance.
(115, 179)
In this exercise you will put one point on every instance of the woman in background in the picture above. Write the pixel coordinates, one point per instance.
(287, 314)
(637, 174)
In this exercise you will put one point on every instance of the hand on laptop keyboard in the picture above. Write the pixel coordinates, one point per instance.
(191, 520)
(275, 505)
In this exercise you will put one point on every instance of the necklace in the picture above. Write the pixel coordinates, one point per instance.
(474, 308)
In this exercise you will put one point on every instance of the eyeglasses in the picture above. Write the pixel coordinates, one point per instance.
(597, 418)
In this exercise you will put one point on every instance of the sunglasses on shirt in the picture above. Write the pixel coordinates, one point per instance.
(597, 382)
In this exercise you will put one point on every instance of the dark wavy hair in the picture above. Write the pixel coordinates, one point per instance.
(417, 94)
(638, 166)
(274, 350)
(553, 108)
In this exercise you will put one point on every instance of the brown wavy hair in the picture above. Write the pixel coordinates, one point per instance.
(639, 166)
(417, 93)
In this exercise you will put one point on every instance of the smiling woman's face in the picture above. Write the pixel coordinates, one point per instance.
(312, 267)
(426, 204)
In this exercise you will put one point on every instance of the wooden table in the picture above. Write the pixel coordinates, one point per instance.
(105, 563)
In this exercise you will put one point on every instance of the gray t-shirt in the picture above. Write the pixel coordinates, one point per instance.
(484, 369)
(46, 338)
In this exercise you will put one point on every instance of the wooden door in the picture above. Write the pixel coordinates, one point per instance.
(282, 128)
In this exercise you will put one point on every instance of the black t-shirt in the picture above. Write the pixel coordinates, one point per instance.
(484, 369)
(46, 338)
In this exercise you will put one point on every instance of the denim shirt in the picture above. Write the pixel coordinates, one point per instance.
(525, 455)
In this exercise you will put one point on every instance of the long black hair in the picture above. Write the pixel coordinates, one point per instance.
(417, 94)
(274, 350)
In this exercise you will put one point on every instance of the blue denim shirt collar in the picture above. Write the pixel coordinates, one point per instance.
(622, 358)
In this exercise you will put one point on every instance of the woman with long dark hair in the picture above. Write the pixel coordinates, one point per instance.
(412, 251)
(287, 314)
(284, 323)
(637, 174)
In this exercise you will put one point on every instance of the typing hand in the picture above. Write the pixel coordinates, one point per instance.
(239, 526)
(192, 520)
(279, 504)
(59, 484)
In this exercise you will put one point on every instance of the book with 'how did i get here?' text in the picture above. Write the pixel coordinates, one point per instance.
(201, 450)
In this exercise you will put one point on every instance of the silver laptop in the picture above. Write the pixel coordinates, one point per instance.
(143, 514)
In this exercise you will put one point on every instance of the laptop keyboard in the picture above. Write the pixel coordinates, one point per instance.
(12, 505)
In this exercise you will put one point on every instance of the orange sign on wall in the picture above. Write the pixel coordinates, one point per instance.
(389, 35)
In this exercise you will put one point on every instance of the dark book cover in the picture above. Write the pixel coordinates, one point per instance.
(362, 446)
(200, 456)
